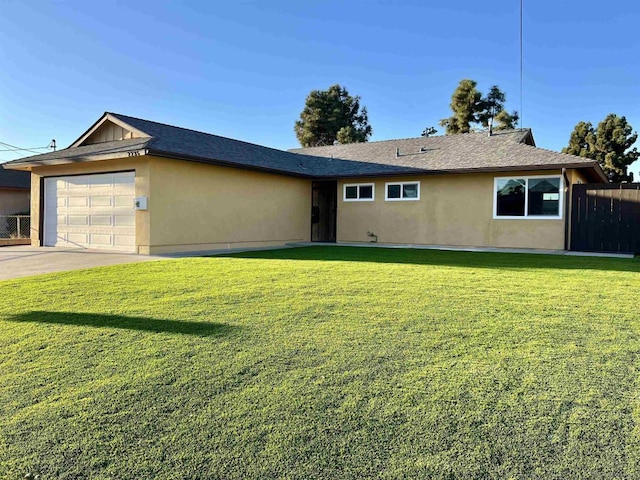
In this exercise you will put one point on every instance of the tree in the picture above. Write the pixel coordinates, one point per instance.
(581, 140)
(491, 105)
(470, 107)
(610, 144)
(331, 116)
(506, 121)
(492, 111)
(465, 103)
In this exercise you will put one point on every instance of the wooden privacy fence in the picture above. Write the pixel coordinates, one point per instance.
(606, 218)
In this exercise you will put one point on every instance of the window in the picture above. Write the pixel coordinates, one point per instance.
(399, 191)
(360, 192)
(528, 197)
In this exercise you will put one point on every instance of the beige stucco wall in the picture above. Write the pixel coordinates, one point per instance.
(142, 187)
(577, 176)
(196, 206)
(13, 201)
(454, 210)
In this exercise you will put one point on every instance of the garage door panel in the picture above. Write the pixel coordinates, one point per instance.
(77, 220)
(77, 238)
(123, 178)
(123, 200)
(100, 220)
(124, 220)
(101, 200)
(99, 239)
(78, 201)
(91, 211)
(104, 179)
(124, 240)
(76, 182)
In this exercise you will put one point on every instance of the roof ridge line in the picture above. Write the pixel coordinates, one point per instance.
(495, 133)
(201, 132)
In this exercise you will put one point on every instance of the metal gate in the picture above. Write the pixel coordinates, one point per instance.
(606, 218)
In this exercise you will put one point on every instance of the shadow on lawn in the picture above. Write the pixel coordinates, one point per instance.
(444, 258)
(202, 329)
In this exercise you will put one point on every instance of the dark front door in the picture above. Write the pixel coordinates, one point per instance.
(323, 211)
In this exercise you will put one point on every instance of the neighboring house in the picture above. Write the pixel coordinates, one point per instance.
(15, 189)
(195, 191)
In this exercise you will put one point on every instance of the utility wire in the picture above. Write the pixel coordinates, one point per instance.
(22, 149)
(13, 148)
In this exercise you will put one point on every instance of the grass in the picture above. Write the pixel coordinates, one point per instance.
(324, 363)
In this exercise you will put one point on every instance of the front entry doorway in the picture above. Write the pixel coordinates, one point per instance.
(323, 211)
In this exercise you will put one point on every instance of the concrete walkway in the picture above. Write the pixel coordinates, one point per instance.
(23, 261)
(467, 249)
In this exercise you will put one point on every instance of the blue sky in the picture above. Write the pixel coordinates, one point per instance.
(242, 69)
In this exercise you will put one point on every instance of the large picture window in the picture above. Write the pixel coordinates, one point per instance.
(528, 197)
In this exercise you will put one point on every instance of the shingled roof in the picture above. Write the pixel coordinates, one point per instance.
(444, 154)
(467, 152)
(14, 179)
(181, 143)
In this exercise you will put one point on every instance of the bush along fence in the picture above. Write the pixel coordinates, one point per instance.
(15, 226)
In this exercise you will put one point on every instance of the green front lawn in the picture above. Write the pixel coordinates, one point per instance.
(324, 363)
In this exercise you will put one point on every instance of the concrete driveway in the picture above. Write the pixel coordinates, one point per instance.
(23, 261)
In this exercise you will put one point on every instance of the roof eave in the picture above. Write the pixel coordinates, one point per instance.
(413, 172)
(600, 173)
(223, 163)
(29, 164)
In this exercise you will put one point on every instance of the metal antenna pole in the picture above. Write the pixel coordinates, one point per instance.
(521, 63)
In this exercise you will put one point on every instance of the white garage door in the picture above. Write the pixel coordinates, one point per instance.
(90, 211)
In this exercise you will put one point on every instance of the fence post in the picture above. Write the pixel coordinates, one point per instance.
(19, 231)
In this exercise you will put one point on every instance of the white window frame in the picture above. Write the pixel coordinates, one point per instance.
(386, 191)
(526, 215)
(358, 199)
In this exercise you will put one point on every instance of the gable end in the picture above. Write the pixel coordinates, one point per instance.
(108, 129)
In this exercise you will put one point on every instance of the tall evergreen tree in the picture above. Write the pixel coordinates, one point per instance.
(470, 107)
(582, 140)
(492, 111)
(491, 105)
(466, 103)
(610, 144)
(506, 121)
(331, 116)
